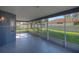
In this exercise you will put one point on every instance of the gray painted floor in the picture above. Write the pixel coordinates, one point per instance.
(31, 44)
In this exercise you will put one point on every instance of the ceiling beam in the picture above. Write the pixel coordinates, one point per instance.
(58, 14)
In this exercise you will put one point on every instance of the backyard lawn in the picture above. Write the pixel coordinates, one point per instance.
(59, 34)
(71, 36)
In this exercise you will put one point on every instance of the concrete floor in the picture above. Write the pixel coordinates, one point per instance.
(26, 43)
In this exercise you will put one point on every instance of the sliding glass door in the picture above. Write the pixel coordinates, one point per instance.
(44, 28)
(72, 30)
(63, 29)
(56, 29)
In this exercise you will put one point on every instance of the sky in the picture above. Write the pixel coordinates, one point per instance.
(52, 18)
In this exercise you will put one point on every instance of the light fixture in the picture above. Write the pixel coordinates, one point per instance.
(1, 18)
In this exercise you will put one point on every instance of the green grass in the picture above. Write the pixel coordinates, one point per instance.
(21, 30)
(59, 34)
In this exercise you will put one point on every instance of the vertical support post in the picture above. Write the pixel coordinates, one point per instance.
(65, 39)
(38, 27)
(30, 26)
(47, 30)
(41, 27)
(27, 27)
